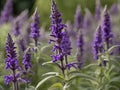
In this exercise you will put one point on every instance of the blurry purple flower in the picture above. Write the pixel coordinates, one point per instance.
(70, 30)
(8, 79)
(6, 13)
(80, 43)
(66, 44)
(27, 59)
(97, 43)
(78, 19)
(106, 29)
(80, 48)
(22, 17)
(35, 27)
(86, 21)
(97, 10)
(16, 28)
(22, 44)
(114, 9)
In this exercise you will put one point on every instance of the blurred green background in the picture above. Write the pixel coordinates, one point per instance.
(66, 7)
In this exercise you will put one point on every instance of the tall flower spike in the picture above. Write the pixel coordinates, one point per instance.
(11, 62)
(78, 20)
(27, 59)
(56, 27)
(80, 46)
(6, 14)
(56, 21)
(97, 43)
(106, 29)
(35, 28)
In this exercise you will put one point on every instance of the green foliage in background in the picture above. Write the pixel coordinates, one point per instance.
(67, 7)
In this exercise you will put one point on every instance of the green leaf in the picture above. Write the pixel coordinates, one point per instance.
(81, 75)
(1, 88)
(90, 65)
(56, 86)
(42, 81)
(51, 73)
(110, 49)
(30, 88)
(50, 62)
(49, 77)
(66, 86)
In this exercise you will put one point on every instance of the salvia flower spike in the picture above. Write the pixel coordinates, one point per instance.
(12, 63)
(80, 46)
(56, 27)
(78, 19)
(97, 43)
(106, 29)
(6, 14)
(35, 27)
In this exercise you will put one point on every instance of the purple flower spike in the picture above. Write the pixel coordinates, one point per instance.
(27, 59)
(57, 34)
(11, 60)
(56, 22)
(80, 43)
(6, 14)
(35, 27)
(78, 18)
(106, 29)
(98, 43)
(80, 46)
